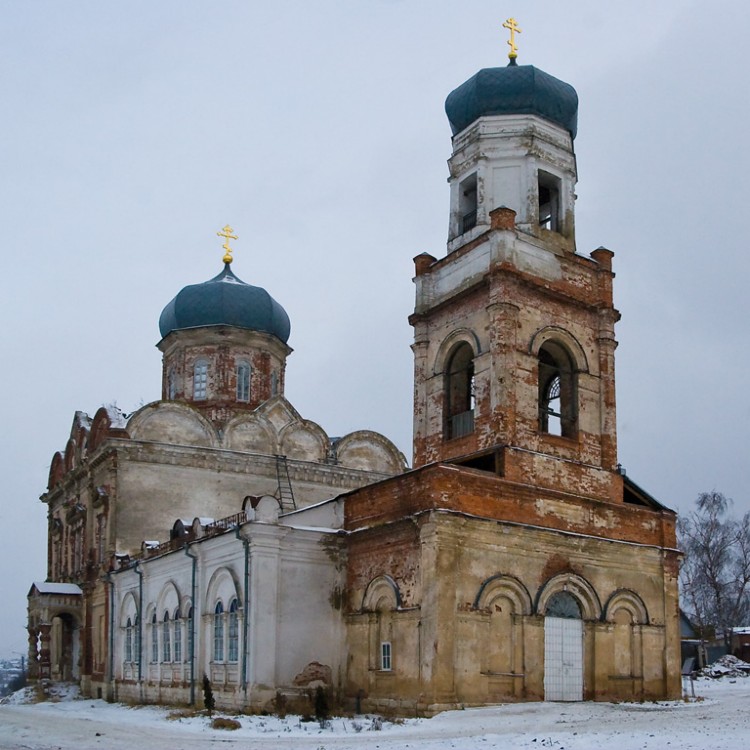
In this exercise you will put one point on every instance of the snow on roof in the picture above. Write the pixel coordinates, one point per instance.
(116, 416)
(43, 587)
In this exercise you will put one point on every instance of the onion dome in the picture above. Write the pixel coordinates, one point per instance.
(513, 90)
(225, 300)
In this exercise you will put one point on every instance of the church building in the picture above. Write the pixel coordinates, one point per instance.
(216, 532)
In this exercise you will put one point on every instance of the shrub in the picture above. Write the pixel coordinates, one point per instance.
(221, 722)
(208, 695)
(320, 703)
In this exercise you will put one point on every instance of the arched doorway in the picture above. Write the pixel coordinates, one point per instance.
(65, 651)
(563, 649)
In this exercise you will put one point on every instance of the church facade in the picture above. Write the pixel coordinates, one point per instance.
(216, 532)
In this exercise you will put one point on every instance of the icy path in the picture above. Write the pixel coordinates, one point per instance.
(721, 722)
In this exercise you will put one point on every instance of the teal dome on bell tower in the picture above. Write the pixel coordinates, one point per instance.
(513, 90)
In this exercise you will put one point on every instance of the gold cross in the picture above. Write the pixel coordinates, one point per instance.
(512, 26)
(226, 233)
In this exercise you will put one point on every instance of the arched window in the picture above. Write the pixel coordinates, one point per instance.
(136, 640)
(171, 384)
(166, 639)
(190, 634)
(154, 639)
(234, 632)
(563, 604)
(200, 380)
(177, 636)
(129, 640)
(243, 381)
(219, 632)
(459, 392)
(557, 391)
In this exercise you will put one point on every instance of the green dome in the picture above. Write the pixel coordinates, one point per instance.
(513, 90)
(225, 300)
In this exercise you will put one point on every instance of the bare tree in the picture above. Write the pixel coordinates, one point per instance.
(715, 574)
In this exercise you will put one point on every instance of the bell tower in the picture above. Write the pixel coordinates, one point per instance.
(514, 331)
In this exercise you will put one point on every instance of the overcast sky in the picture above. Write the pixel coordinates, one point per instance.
(133, 131)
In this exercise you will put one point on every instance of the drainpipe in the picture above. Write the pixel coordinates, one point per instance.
(191, 625)
(111, 666)
(245, 606)
(139, 572)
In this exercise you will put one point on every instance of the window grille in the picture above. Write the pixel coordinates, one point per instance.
(200, 380)
(243, 381)
(385, 656)
(219, 632)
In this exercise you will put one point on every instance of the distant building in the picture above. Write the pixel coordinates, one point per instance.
(217, 532)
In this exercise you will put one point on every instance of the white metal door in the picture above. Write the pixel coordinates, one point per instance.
(563, 659)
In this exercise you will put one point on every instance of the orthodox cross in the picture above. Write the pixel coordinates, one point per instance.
(512, 26)
(226, 233)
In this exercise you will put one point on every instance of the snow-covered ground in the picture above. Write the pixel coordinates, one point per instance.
(720, 721)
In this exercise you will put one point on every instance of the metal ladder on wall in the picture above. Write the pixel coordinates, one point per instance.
(285, 493)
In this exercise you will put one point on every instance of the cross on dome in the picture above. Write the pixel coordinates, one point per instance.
(226, 233)
(513, 28)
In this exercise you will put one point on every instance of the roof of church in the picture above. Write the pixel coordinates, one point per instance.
(513, 90)
(225, 300)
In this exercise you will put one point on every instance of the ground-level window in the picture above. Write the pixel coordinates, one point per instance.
(154, 639)
(234, 632)
(385, 656)
(177, 636)
(136, 639)
(129, 640)
(166, 639)
(190, 634)
(219, 632)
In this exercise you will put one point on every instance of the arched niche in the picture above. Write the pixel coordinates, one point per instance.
(630, 602)
(172, 423)
(382, 594)
(507, 587)
(304, 441)
(251, 433)
(369, 451)
(222, 587)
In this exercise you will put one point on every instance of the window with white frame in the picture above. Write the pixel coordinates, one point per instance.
(129, 640)
(166, 640)
(234, 632)
(190, 634)
(243, 381)
(177, 636)
(385, 656)
(154, 639)
(200, 380)
(219, 632)
(136, 639)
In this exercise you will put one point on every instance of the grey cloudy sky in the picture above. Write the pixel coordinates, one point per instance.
(133, 131)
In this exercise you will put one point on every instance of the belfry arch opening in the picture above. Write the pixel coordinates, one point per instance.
(459, 392)
(557, 391)
(548, 187)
